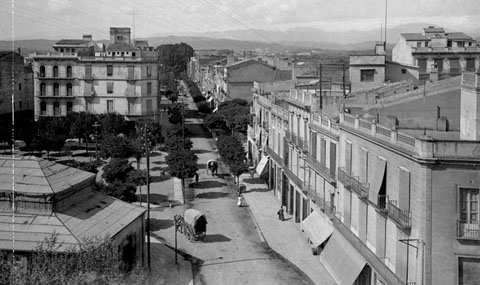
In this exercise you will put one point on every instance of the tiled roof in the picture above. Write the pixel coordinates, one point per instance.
(72, 42)
(414, 37)
(245, 61)
(458, 36)
(282, 75)
(434, 30)
(122, 47)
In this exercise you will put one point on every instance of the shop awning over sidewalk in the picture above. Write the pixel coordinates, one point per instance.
(262, 165)
(210, 99)
(344, 261)
(316, 228)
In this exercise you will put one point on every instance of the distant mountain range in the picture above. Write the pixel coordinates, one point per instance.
(295, 39)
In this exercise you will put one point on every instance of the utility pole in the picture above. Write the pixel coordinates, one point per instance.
(147, 146)
(320, 81)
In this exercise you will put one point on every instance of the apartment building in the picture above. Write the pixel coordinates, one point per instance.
(389, 193)
(437, 54)
(85, 76)
(15, 79)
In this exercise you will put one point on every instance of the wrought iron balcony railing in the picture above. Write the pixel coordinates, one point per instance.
(401, 217)
(467, 231)
(353, 183)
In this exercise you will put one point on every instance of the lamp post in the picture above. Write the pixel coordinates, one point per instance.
(96, 125)
(147, 146)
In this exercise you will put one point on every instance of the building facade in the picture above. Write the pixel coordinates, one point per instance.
(385, 199)
(21, 87)
(436, 53)
(120, 78)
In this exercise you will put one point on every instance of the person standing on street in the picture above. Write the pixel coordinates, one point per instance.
(280, 214)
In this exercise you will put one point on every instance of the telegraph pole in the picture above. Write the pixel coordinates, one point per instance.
(147, 146)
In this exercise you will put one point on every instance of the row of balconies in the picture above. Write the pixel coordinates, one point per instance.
(353, 183)
(401, 217)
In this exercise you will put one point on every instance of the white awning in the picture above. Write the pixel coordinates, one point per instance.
(262, 165)
(377, 179)
(317, 229)
(342, 259)
(214, 110)
(210, 99)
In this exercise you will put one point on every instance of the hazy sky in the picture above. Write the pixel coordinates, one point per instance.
(54, 19)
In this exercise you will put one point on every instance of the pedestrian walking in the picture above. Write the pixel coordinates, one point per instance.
(280, 214)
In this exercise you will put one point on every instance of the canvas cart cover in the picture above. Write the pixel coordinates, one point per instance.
(191, 216)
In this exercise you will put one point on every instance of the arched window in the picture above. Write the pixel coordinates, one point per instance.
(43, 89)
(55, 71)
(69, 107)
(56, 89)
(56, 109)
(42, 71)
(43, 108)
(69, 89)
(69, 71)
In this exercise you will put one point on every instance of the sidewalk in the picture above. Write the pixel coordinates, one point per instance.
(284, 237)
(164, 269)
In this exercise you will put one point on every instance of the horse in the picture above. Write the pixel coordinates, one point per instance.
(213, 167)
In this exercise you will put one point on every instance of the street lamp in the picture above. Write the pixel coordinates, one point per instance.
(147, 147)
(96, 125)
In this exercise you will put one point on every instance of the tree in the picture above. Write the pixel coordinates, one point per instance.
(172, 96)
(182, 164)
(96, 261)
(236, 113)
(215, 121)
(175, 57)
(138, 178)
(117, 170)
(233, 154)
(175, 114)
(51, 135)
(114, 124)
(174, 143)
(116, 147)
(81, 126)
(125, 191)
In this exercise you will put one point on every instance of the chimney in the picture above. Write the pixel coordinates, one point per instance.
(380, 48)
(470, 106)
(87, 38)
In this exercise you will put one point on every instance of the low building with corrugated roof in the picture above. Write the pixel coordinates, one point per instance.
(40, 198)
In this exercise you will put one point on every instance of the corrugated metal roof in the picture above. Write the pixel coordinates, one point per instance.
(37, 176)
(414, 37)
(30, 230)
(99, 215)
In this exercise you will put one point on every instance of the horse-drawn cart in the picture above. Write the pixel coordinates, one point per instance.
(193, 224)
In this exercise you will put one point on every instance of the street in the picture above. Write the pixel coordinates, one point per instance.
(232, 251)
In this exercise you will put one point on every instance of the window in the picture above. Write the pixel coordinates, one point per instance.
(56, 109)
(20, 104)
(438, 63)
(149, 71)
(55, 71)
(131, 107)
(42, 71)
(69, 107)
(468, 270)
(133, 54)
(404, 71)
(367, 75)
(149, 106)
(419, 44)
(69, 71)
(56, 89)
(19, 86)
(348, 157)
(109, 70)
(422, 65)
(454, 66)
(469, 205)
(149, 88)
(110, 87)
(470, 64)
(88, 71)
(69, 89)
(43, 108)
(110, 106)
(43, 89)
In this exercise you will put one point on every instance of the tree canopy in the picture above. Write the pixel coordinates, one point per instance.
(233, 154)
(236, 113)
(182, 163)
(175, 57)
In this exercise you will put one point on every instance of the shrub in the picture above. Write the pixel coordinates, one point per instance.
(204, 107)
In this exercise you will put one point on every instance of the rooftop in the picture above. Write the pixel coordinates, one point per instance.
(122, 47)
(71, 42)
